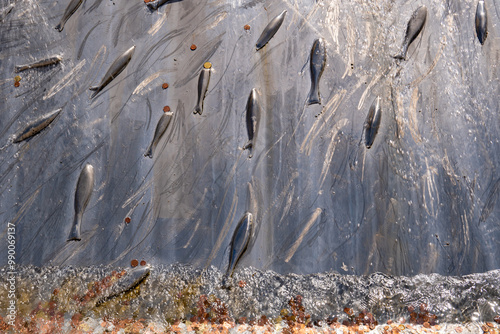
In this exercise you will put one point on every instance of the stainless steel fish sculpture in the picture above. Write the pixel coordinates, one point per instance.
(36, 126)
(372, 122)
(239, 244)
(70, 10)
(370, 130)
(161, 127)
(114, 70)
(270, 30)
(84, 189)
(415, 26)
(44, 62)
(481, 22)
(252, 119)
(129, 282)
(203, 82)
(317, 66)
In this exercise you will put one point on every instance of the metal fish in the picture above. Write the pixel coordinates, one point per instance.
(415, 25)
(154, 5)
(239, 244)
(317, 65)
(203, 82)
(481, 22)
(372, 122)
(41, 63)
(38, 125)
(129, 282)
(161, 127)
(70, 10)
(270, 30)
(252, 117)
(84, 189)
(114, 70)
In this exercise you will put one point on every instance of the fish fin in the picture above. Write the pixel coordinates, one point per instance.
(313, 99)
(75, 230)
(94, 88)
(399, 56)
(149, 152)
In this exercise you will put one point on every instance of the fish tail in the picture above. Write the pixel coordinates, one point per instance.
(198, 110)
(225, 284)
(59, 27)
(314, 97)
(75, 230)
(402, 55)
(96, 90)
(248, 145)
(152, 5)
(18, 68)
(149, 152)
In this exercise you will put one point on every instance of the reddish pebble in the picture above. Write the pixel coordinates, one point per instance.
(143, 263)
(134, 263)
(246, 27)
(166, 109)
(56, 291)
(164, 86)
(427, 325)
(128, 220)
(193, 47)
(458, 329)
(16, 84)
(497, 319)
(242, 284)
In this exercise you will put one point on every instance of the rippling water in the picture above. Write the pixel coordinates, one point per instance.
(175, 292)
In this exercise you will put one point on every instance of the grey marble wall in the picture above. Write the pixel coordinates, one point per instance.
(422, 199)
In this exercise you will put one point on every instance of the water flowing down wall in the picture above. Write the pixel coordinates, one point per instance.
(422, 198)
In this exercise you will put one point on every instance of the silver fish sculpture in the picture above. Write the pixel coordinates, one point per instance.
(36, 126)
(70, 10)
(252, 118)
(372, 122)
(133, 278)
(161, 127)
(239, 244)
(84, 189)
(415, 26)
(317, 66)
(270, 30)
(154, 5)
(203, 82)
(44, 62)
(114, 70)
(481, 22)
